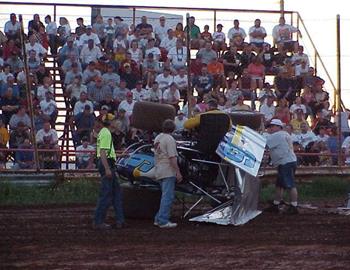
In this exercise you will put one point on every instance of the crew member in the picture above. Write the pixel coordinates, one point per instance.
(167, 172)
(110, 192)
(282, 155)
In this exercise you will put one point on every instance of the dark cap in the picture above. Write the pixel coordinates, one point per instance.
(220, 25)
(87, 107)
(118, 18)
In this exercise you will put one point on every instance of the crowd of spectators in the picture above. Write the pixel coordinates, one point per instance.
(108, 66)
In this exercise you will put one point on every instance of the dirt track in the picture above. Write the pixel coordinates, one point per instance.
(62, 238)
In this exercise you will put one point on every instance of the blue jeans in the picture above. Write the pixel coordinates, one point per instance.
(110, 193)
(168, 193)
(285, 175)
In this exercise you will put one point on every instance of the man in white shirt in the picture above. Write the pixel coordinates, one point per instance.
(164, 79)
(172, 95)
(180, 120)
(181, 81)
(236, 34)
(49, 107)
(282, 35)
(168, 41)
(155, 94)
(346, 149)
(300, 57)
(51, 31)
(160, 30)
(85, 155)
(46, 87)
(84, 38)
(90, 53)
(47, 134)
(178, 55)
(152, 49)
(306, 136)
(139, 93)
(41, 52)
(257, 34)
(79, 106)
(268, 109)
(12, 27)
(128, 104)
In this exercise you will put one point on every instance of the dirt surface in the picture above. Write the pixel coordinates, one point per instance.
(62, 238)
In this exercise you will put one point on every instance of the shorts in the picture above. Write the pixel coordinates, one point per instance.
(285, 175)
(289, 45)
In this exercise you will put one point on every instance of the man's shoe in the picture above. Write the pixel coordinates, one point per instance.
(292, 210)
(273, 208)
(102, 226)
(168, 225)
(156, 223)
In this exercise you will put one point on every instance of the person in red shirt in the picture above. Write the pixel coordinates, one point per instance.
(256, 71)
(196, 66)
(205, 36)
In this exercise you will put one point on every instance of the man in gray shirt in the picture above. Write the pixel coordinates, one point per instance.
(282, 155)
(207, 53)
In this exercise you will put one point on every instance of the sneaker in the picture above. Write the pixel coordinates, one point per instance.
(292, 210)
(168, 225)
(156, 223)
(102, 226)
(273, 208)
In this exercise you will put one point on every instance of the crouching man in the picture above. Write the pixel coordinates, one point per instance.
(282, 155)
(167, 172)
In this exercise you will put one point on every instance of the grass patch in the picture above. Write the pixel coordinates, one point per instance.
(86, 191)
(78, 191)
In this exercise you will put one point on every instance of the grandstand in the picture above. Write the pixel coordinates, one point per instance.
(125, 55)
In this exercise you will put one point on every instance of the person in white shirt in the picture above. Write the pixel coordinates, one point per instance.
(120, 41)
(85, 160)
(47, 134)
(49, 107)
(172, 95)
(178, 55)
(236, 34)
(152, 49)
(322, 135)
(297, 105)
(51, 31)
(79, 106)
(46, 87)
(169, 41)
(128, 104)
(47, 139)
(282, 35)
(181, 80)
(164, 79)
(300, 57)
(136, 52)
(155, 94)
(219, 39)
(90, 53)
(41, 52)
(12, 27)
(84, 38)
(257, 35)
(346, 149)
(268, 109)
(139, 93)
(180, 120)
(161, 30)
(306, 136)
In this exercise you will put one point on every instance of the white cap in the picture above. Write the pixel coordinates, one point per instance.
(276, 122)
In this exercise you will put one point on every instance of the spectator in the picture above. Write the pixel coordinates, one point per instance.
(181, 80)
(144, 27)
(205, 36)
(110, 78)
(90, 53)
(177, 55)
(219, 39)
(165, 79)
(84, 123)
(150, 48)
(232, 61)
(124, 120)
(204, 82)
(63, 30)
(257, 34)
(4, 139)
(108, 102)
(20, 117)
(46, 87)
(168, 42)
(68, 63)
(81, 28)
(172, 96)
(322, 136)
(135, 51)
(12, 28)
(109, 35)
(85, 155)
(97, 92)
(233, 92)
(297, 105)
(74, 90)
(33, 62)
(18, 135)
(79, 106)
(179, 31)
(98, 27)
(119, 92)
(128, 104)
(9, 105)
(33, 45)
(25, 159)
(84, 38)
(67, 50)
(161, 30)
(256, 71)
(90, 74)
(139, 93)
(195, 33)
(282, 35)
(216, 70)
(9, 49)
(155, 94)
(49, 108)
(240, 106)
(120, 27)
(207, 54)
(34, 25)
(246, 56)
(236, 35)
(129, 76)
(120, 43)
(306, 136)
(298, 120)
(10, 83)
(179, 121)
(299, 57)
(268, 109)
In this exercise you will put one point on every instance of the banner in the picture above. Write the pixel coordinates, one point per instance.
(243, 148)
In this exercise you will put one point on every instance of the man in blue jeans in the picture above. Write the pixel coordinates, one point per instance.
(282, 155)
(167, 172)
(110, 192)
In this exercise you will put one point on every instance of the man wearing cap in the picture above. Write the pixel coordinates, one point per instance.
(67, 49)
(81, 103)
(180, 120)
(219, 39)
(98, 91)
(110, 192)
(84, 122)
(120, 27)
(282, 155)
(139, 93)
(127, 104)
(150, 48)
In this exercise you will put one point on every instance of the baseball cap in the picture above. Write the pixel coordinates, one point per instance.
(118, 18)
(180, 112)
(105, 107)
(276, 122)
(89, 27)
(220, 25)
(87, 107)
(129, 94)
(127, 65)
